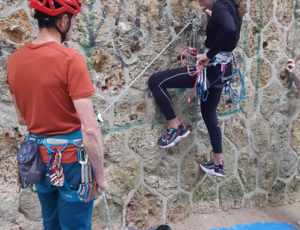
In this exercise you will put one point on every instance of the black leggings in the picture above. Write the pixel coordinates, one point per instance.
(179, 78)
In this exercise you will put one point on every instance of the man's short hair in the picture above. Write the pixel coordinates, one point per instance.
(163, 227)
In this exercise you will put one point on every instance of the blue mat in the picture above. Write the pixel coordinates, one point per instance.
(260, 226)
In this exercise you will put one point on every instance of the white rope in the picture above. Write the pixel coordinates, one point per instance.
(189, 22)
(106, 210)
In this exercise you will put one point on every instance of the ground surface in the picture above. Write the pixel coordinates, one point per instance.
(286, 214)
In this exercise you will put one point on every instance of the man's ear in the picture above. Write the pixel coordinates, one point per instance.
(63, 22)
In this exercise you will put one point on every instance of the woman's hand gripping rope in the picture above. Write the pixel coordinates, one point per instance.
(202, 57)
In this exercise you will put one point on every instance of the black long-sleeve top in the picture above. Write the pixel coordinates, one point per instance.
(223, 28)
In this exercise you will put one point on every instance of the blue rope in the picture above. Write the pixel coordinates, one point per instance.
(230, 90)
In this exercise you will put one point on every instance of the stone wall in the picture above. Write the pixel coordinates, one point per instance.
(149, 186)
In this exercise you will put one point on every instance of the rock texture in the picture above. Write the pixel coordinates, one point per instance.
(148, 185)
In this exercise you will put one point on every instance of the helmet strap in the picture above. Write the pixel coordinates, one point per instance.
(63, 34)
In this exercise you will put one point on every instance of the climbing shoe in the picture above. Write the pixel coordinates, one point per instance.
(172, 136)
(215, 170)
(208, 167)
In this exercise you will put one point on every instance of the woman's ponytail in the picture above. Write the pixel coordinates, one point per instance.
(241, 7)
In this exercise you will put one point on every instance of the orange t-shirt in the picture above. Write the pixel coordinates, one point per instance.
(44, 80)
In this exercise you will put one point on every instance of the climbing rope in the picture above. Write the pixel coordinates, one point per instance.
(106, 210)
(230, 90)
(200, 83)
(192, 43)
(234, 79)
(187, 24)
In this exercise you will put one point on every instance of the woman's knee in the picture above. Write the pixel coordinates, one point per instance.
(153, 80)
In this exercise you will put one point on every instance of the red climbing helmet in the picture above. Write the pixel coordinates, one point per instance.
(71, 6)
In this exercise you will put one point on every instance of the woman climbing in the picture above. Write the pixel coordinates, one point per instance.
(223, 33)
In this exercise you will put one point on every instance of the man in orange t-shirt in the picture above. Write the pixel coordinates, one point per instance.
(51, 91)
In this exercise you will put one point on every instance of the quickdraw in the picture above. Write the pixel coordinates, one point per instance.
(87, 188)
(58, 177)
(200, 83)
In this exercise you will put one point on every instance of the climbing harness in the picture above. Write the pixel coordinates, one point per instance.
(87, 188)
(187, 24)
(56, 174)
(56, 171)
(201, 83)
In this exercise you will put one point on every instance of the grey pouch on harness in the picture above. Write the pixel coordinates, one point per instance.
(31, 165)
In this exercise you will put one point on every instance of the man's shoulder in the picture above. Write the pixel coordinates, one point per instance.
(68, 51)
(16, 53)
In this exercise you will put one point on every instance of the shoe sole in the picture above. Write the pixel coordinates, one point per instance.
(211, 172)
(179, 138)
(219, 175)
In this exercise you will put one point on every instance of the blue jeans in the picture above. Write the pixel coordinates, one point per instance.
(58, 213)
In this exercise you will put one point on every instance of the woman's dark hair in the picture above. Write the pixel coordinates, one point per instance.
(47, 21)
(241, 7)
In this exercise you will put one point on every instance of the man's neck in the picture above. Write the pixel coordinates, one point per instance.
(47, 35)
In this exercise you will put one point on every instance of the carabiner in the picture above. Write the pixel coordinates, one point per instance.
(203, 94)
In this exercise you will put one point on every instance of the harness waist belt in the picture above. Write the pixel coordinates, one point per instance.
(67, 136)
(73, 138)
(224, 56)
(59, 141)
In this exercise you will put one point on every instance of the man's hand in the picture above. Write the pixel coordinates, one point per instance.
(102, 185)
(291, 68)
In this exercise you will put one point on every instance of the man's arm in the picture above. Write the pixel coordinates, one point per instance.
(291, 68)
(92, 140)
(19, 115)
